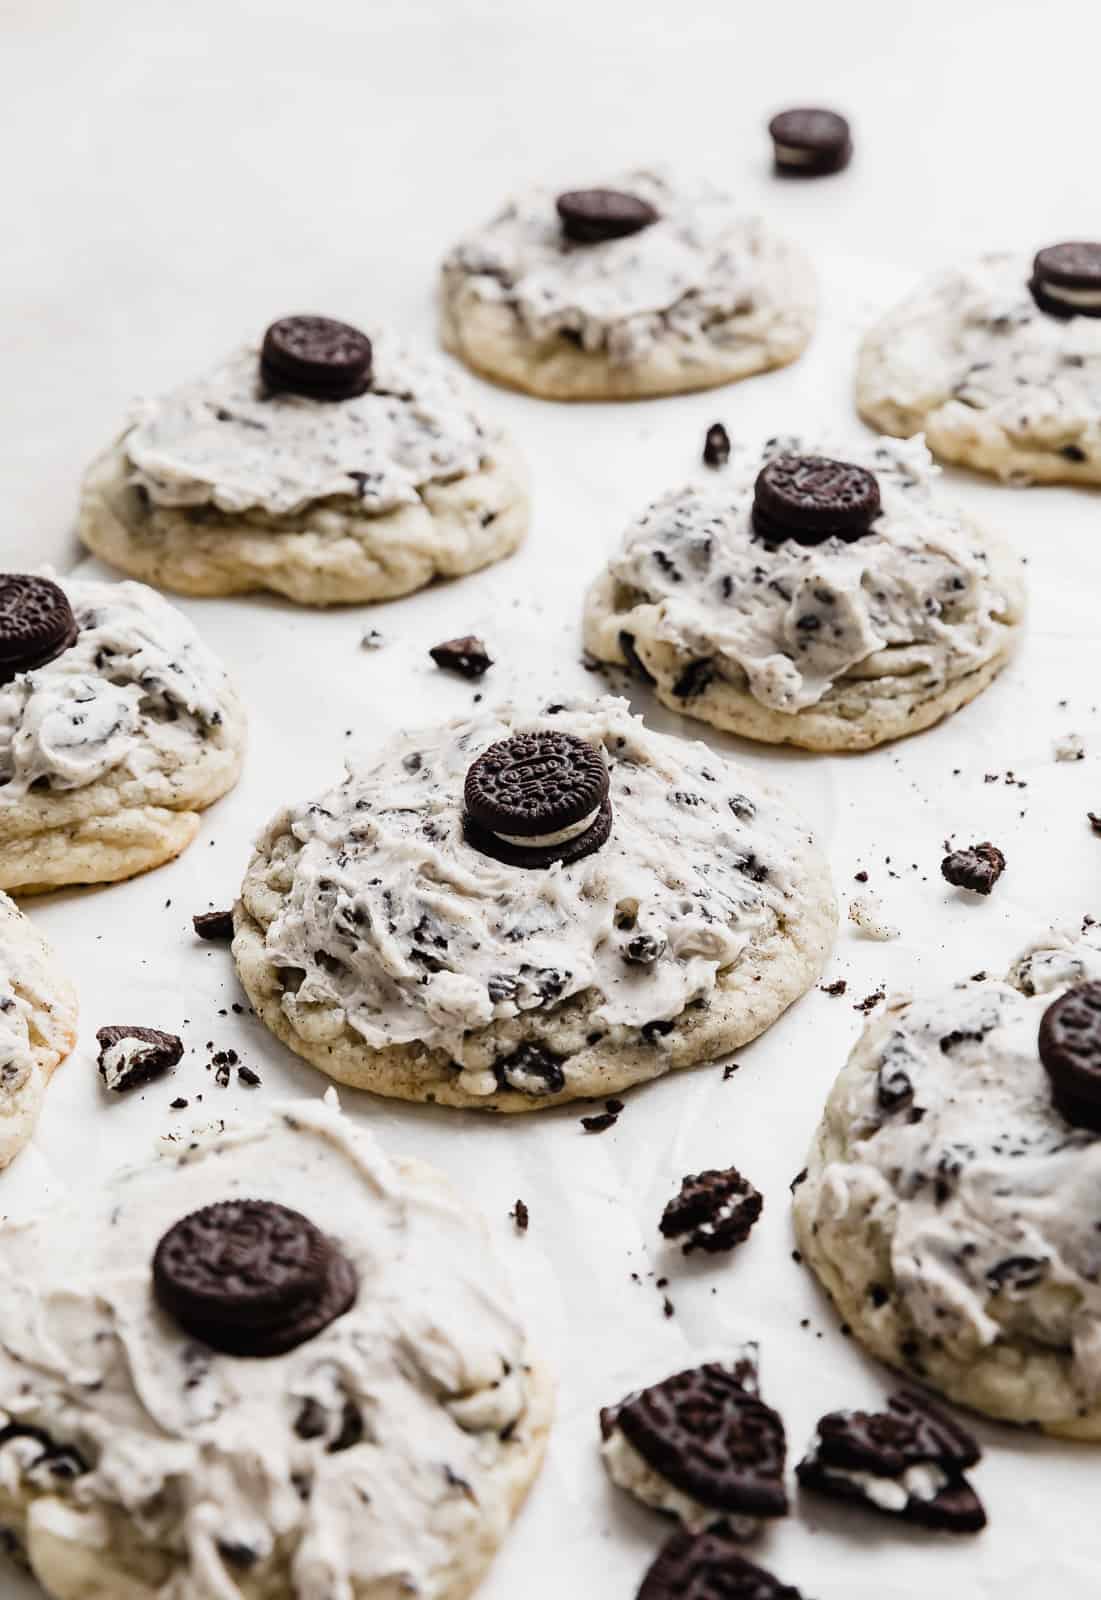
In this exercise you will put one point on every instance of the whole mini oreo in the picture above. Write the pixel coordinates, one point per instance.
(706, 1433)
(592, 216)
(709, 1566)
(316, 356)
(812, 498)
(36, 623)
(536, 798)
(809, 142)
(1066, 279)
(1070, 1049)
(251, 1278)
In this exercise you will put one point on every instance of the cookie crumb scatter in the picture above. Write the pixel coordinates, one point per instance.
(131, 1056)
(870, 1001)
(179, 1104)
(837, 988)
(600, 1123)
(1070, 747)
(214, 926)
(249, 1077)
(520, 1216)
(466, 656)
(976, 868)
(866, 911)
(716, 446)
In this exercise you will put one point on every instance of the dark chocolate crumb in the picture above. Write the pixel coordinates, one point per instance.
(716, 446)
(215, 926)
(520, 1216)
(599, 1123)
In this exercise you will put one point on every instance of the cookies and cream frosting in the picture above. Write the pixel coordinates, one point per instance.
(916, 595)
(17, 1005)
(378, 913)
(137, 690)
(228, 442)
(703, 262)
(987, 1199)
(361, 1461)
(974, 348)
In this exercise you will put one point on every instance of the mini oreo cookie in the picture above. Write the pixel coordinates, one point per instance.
(716, 1210)
(251, 1278)
(709, 1566)
(1066, 279)
(812, 498)
(132, 1056)
(593, 216)
(708, 1433)
(977, 868)
(316, 357)
(907, 1461)
(36, 623)
(809, 142)
(537, 798)
(1070, 1050)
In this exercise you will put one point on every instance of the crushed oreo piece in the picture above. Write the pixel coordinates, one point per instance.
(600, 1122)
(466, 656)
(216, 926)
(130, 1056)
(709, 1566)
(716, 446)
(977, 868)
(249, 1077)
(521, 1216)
(715, 1210)
(908, 1461)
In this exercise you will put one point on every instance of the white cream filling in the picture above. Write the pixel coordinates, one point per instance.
(631, 1471)
(923, 1481)
(537, 841)
(1071, 297)
(794, 155)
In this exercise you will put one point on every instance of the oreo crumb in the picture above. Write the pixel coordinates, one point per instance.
(466, 656)
(372, 640)
(716, 446)
(214, 926)
(838, 987)
(730, 1069)
(713, 1211)
(601, 1122)
(977, 868)
(520, 1216)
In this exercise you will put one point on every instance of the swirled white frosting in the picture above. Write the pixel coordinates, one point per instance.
(918, 593)
(991, 1201)
(388, 915)
(138, 686)
(973, 342)
(360, 1461)
(225, 440)
(16, 1010)
(702, 262)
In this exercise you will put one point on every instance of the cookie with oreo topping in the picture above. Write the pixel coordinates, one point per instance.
(809, 142)
(709, 1566)
(251, 1277)
(594, 216)
(908, 1462)
(702, 1445)
(1066, 279)
(36, 623)
(714, 1211)
(538, 798)
(131, 1056)
(813, 498)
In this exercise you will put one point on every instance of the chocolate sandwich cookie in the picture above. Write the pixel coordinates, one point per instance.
(977, 868)
(593, 216)
(537, 798)
(812, 498)
(36, 623)
(708, 1433)
(809, 142)
(709, 1566)
(907, 1462)
(317, 357)
(251, 1278)
(1066, 279)
(716, 1210)
(1070, 1049)
(132, 1056)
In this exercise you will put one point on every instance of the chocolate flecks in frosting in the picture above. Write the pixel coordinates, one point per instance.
(225, 441)
(137, 674)
(915, 594)
(382, 862)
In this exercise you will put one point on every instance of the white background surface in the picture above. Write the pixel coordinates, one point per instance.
(178, 175)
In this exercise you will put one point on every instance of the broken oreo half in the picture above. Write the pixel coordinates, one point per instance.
(36, 623)
(538, 798)
(1066, 279)
(130, 1056)
(251, 1278)
(813, 498)
(714, 1211)
(908, 1462)
(1070, 1050)
(593, 216)
(317, 357)
(809, 142)
(709, 1566)
(978, 867)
